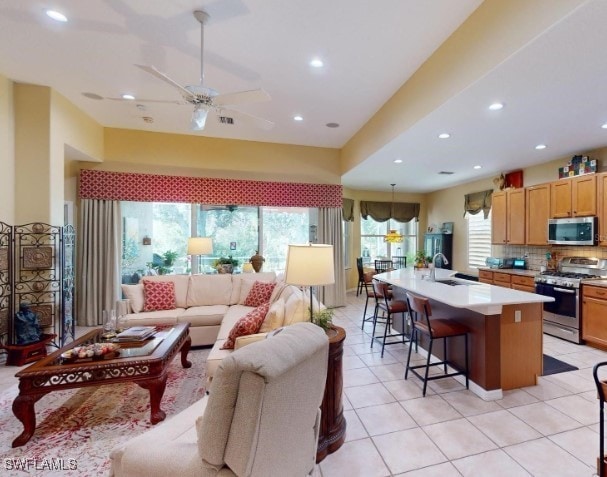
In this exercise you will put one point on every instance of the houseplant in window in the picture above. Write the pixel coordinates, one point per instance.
(226, 264)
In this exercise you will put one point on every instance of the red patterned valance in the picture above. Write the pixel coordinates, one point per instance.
(106, 185)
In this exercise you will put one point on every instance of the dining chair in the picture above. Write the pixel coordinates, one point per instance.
(382, 266)
(400, 261)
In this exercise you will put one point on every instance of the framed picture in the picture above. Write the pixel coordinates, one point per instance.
(232, 245)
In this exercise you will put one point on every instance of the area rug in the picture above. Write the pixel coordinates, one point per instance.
(555, 366)
(77, 428)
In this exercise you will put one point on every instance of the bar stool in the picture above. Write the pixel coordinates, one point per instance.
(370, 294)
(434, 329)
(601, 388)
(389, 306)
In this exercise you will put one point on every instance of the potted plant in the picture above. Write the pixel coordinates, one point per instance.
(421, 260)
(323, 318)
(226, 264)
(163, 264)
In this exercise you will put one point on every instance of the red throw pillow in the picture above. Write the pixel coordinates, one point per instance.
(247, 325)
(158, 295)
(260, 293)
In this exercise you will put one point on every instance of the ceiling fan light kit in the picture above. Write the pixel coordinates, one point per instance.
(206, 100)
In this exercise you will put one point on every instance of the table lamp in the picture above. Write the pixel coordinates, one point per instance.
(198, 246)
(310, 265)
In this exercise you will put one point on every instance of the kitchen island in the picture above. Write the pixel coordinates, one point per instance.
(505, 326)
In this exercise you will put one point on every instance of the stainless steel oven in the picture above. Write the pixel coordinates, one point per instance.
(562, 317)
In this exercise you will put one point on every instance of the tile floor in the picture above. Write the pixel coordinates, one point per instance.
(546, 430)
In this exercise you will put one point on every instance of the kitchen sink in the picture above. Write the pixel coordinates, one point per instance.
(453, 283)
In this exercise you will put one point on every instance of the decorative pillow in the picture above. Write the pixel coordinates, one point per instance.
(247, 325)
(158, 295)
(260, 293)
(134, 293)
(275, 316)
(296, 309)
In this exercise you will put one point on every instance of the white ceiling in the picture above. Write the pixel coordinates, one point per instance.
(553, 88)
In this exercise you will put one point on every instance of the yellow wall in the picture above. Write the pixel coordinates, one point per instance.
(141, 151)
(7, 152)
(481, 43)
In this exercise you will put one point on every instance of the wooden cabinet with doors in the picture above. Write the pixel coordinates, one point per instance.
(594, 315)
(485, 276)
(537, 213)
(575, 197)
(501, 279)
(602, 208)
(522, 283)
(508, 217)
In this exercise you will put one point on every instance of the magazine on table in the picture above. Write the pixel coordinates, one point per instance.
(136, 333)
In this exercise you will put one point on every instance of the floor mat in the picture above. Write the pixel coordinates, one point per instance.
(555, 366)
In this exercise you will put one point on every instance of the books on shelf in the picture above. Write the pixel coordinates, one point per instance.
(136, 333)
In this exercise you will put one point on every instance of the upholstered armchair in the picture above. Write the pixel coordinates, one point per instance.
(261, 416)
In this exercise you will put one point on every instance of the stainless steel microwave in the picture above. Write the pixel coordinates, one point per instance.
(574, 231)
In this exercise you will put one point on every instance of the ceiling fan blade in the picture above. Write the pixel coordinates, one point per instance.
(161, 76)
(137, 100)
(231, 116)
(241, 97)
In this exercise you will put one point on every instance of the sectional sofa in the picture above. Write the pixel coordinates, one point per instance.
(212, 304)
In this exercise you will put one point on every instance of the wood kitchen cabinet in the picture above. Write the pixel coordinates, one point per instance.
(508, 217)
(594, 315)
(575, 197)
(537, 213)
(501, 279)
(602, 208)
(485, 276)
(519, 282)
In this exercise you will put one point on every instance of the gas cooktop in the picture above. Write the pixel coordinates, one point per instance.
(573, 270)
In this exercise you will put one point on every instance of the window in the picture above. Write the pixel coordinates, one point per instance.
(479, 239)
(239, 231)
(372, 243)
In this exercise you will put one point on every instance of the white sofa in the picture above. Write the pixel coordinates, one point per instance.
(212, 304)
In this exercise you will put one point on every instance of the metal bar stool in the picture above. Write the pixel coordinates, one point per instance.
(361, 276)
(434, 329)
(370, 294)
(601, 387)
(389, 307)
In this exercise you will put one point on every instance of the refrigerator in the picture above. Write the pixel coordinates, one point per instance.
(443, 243)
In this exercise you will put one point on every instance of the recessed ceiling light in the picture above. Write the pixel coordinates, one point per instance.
(477, 167)
(332, 125)
(398, 161)
(298, 118)
(540, 146)
(60, 17)
(604, 126)
(316, 63)
(128, 96)
(444, 136)
(496, 106)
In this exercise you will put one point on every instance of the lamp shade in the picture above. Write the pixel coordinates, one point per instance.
(310, 265)
(200, 245)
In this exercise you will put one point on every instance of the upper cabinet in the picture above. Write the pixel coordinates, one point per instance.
(508, 217)
(537, 214)
(575, 197)
(602, 207)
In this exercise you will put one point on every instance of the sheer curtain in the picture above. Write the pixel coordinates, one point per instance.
(330, 232)
(98, 256)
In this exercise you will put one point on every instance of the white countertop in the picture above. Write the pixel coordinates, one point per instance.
(479, 297)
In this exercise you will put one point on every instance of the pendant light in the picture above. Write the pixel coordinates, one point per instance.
(393, 236)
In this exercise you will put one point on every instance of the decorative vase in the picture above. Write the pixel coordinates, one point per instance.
(257, 261)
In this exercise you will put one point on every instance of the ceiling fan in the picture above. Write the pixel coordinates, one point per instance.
(206, 100)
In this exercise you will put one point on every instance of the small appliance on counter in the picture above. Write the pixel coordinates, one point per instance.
(519, 264)
(495, 262)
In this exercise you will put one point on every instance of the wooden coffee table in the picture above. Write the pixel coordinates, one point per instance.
(143, 363)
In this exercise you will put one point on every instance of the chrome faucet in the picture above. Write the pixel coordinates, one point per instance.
(433, 271)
